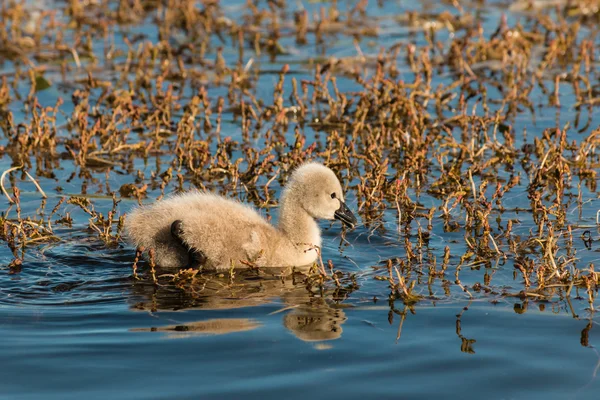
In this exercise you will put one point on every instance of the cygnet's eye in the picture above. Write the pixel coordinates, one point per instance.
(333, 195)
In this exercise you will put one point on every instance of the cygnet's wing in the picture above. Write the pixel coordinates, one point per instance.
(226, 231)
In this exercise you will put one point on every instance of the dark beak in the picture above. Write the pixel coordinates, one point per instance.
(345, 215)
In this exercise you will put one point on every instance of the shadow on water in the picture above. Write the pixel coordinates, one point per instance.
(83, 271)
(80, 270)
(308, 315)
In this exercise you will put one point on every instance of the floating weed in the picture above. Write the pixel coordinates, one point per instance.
(424, 133)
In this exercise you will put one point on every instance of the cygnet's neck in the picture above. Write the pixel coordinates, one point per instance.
(296, 224)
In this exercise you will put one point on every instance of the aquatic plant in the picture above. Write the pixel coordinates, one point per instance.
(423, 132)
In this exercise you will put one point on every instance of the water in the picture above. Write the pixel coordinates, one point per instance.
(100, 349)
(76, 324)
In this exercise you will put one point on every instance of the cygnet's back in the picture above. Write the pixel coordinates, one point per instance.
(217, 223)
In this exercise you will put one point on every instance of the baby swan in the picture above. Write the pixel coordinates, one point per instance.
(202, 229)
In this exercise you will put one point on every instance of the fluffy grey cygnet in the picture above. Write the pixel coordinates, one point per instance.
(199, 229)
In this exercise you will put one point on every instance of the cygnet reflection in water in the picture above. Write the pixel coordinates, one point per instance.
(200, 229)
(219, 326)
(315, 322)
(309, 318)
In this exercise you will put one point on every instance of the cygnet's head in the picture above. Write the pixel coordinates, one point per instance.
(319, 192)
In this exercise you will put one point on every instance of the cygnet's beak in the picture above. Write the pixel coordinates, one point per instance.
(345, 215)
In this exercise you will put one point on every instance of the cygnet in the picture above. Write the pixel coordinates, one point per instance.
(200, 229)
